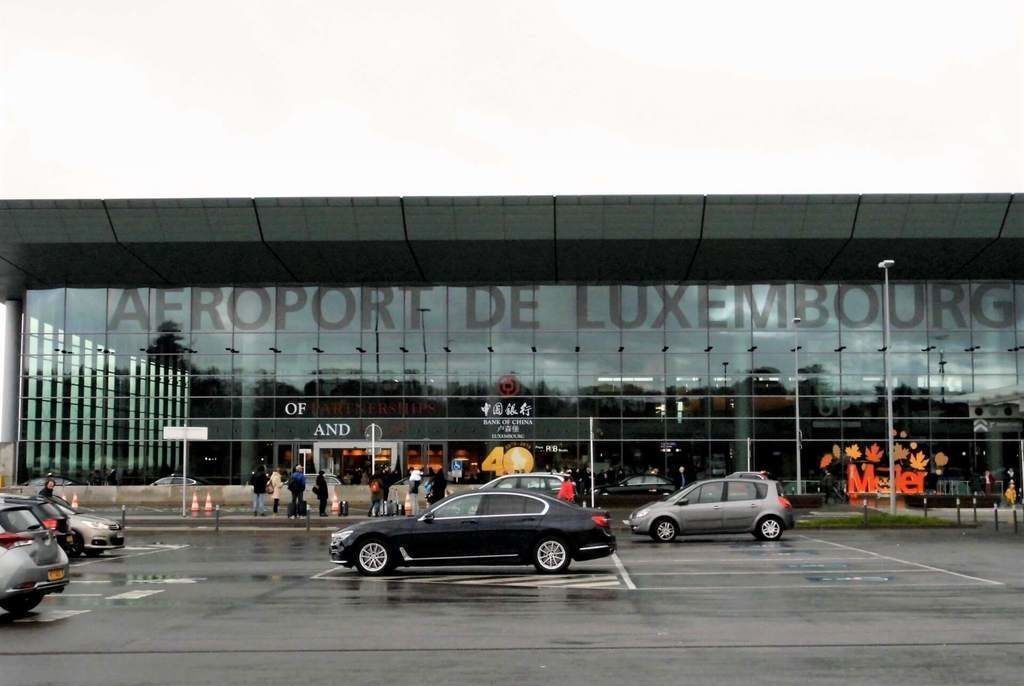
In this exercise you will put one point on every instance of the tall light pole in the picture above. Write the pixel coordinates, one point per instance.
(884, 265)
(796, 387)
(425, 453)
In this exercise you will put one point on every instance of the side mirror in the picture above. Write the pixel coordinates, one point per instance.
(684, 501)
(428, 517)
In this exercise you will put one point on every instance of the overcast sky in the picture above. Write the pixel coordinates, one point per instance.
(122, 98)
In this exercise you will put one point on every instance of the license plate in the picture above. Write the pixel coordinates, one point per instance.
(55, 574)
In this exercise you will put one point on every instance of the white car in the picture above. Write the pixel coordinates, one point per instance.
(92, 534)
(545, 482)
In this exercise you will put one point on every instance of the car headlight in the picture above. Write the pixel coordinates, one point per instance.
(341, 535)
(95, 524)
(643, 513)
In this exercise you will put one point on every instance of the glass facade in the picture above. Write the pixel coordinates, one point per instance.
(490, 377)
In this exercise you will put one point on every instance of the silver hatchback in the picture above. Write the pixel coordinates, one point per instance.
(719, 506)
(31, 563)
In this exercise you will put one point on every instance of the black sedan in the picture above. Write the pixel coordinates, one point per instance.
(640, 484)
(508, 527)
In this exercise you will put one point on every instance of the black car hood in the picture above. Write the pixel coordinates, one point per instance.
(382, 525)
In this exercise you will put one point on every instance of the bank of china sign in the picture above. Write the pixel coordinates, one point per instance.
(950, 305)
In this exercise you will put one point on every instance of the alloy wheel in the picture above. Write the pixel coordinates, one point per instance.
(551, 555)
(665, 531)
(771, 529)
(373, 557)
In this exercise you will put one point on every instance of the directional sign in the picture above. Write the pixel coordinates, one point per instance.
(185, 433)
(374, 432)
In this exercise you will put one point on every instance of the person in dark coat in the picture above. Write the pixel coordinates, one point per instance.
(320, 488)
(258, 481)
(297, 487)
(47, 490)
(438, 485)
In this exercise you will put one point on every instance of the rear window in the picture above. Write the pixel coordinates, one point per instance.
(16, 520)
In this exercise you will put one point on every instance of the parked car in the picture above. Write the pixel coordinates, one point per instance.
(176, 480)
(640, 484)
(720, 506)
(91, 534)
(58, 480)
(542, 482)
(480, 527)
(32, 564)
(748, 475)
(47, 513)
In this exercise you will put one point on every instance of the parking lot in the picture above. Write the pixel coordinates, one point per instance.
(919, 606)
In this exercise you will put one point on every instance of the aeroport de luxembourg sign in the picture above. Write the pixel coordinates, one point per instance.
(953, 305)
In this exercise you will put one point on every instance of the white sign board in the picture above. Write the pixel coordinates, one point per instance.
(185, 433)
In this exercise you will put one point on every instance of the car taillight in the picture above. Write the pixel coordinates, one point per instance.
(785, 503)
(602, 521)
(50, 523)
(8, 541)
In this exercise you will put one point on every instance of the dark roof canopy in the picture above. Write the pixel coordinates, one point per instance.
(457, 240)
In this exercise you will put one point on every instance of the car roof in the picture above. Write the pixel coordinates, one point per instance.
(508, 476)
(514, 491)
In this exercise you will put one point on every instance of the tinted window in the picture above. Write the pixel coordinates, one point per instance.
(711, 493)
(762, 490)
(461, 507)
(634, 481)
(18, 520)
(504, 505)
(741, 491)
(535, 483)
(506, 483)
(553, 484)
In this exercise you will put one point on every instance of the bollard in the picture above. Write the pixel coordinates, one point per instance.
(344, 508)
(958, 512)
(926, 507)
(307, 519)
(1014, 520)
(401, 509)
(865, 513)
(975, 500)
(124, 517)
(995, 514)
(216, 518)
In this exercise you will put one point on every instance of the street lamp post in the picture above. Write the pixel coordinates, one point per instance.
(885, 265)
(796, 386)
(425, 456)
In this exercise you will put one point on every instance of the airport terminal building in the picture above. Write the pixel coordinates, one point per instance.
(482, 334)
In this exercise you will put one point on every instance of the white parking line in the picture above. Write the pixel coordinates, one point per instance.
(623, 573)
(133, 595)
(163, 548)
(745, 561)
(831, 586)
(788, 571)
(907, 562)
(50, 616)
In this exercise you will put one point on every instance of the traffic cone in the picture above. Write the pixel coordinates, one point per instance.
(208, 508)
(408, 504)
(74, 502)
(195, 503)
(335, 505)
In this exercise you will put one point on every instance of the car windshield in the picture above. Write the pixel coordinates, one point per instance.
(680, 493)
(17, 520)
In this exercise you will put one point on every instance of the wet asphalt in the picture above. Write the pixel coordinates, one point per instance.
(913, 607)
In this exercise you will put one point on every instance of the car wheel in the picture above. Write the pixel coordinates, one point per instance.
(373, 557)
(93, 552)
(77, 545)
(551, 555)
(769, 529)
(664, 530)
(22, 604)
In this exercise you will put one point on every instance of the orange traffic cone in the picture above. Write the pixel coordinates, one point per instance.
(408, 504)
(74, 502)
(195, 503)
(335, 505)
(208, 508)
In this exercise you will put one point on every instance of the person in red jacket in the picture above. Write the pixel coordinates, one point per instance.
(567, 491)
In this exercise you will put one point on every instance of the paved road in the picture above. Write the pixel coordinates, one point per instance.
(919, 607)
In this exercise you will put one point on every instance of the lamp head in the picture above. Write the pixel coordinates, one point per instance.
(885, 264)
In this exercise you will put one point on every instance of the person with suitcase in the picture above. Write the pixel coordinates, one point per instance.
(297, 487)
(376, 497)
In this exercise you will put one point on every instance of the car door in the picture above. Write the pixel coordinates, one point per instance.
(453, 533)
(741, 505)
(703, 514)
(508, 522)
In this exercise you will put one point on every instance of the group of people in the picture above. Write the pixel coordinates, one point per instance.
(433, 484)
(272, 485)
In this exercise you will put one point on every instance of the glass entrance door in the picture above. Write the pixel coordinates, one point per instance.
(424, 456)
(350, 461)
(291, 453)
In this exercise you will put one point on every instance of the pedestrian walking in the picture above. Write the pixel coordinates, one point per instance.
(1010, 495)
(681, 480)
(258, 481)
(321, 491)
(438, 486)
(376, 496)
(297, 487)
(274, 487)
(567, 491)
(828, 485)
(990, 481)
(415, 477)
(47, 490)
